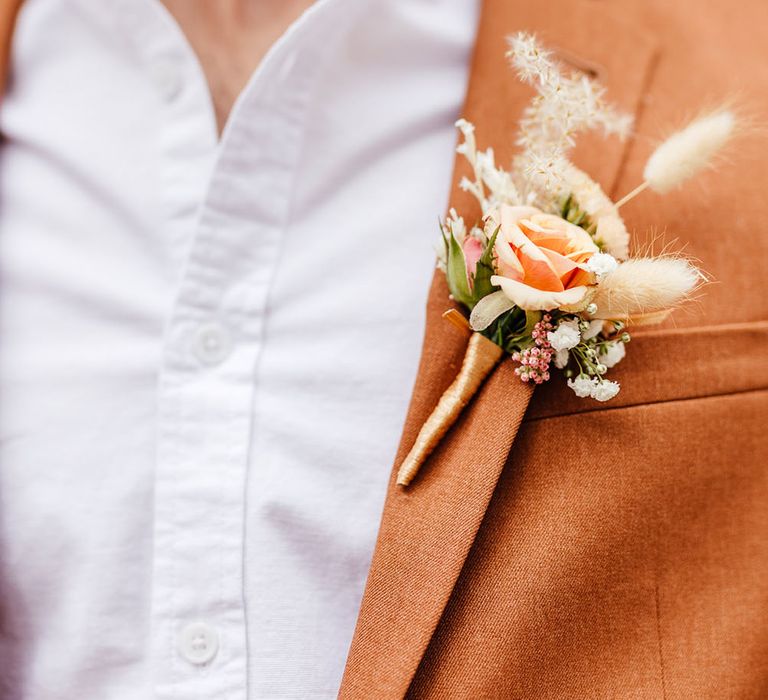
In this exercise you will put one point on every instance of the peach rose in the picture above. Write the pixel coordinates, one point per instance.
(541, 258)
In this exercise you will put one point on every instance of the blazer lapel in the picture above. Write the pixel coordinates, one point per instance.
(427, 529)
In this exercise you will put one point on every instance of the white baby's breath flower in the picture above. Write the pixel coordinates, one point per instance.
(602, 264)
(594, 328)
(604, 390)
(613, 354)
(561, 358)
(582, 386)
(565, 336)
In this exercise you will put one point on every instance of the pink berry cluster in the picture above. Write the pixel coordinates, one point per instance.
(534, 361)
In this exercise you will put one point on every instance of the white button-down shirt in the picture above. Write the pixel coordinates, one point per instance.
(208, 346)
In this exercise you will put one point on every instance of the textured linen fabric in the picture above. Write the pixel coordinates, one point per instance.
(553, 548)
(617, 578)
(208, 347)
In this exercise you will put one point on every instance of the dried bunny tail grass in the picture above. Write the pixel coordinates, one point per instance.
(688, 151)
(643, 286)
(650, 319)
(658, 244)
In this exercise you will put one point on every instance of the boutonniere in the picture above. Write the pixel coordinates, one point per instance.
(545, 275)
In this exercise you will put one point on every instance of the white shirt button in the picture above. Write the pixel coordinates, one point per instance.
(212, 343)
(198, 643)
(167, 76)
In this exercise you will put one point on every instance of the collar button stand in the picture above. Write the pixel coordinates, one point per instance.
(198, 643)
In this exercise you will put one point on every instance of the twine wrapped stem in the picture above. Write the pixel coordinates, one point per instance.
(481, 357)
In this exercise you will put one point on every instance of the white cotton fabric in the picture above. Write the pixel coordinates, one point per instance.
(207, 348)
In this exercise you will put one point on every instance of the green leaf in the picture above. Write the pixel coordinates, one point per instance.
(506, 329)
(572, 212)
(531, 319)
(565, 206)
(456, 271)
(481, 284)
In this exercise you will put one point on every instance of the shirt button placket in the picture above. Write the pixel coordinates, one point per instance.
(204, 399)
(207, 391)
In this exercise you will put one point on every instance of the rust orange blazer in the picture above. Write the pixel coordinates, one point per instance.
(556, 548)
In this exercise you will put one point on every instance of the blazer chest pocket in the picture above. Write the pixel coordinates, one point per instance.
(624, 553)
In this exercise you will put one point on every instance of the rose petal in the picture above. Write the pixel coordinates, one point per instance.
(516, 236)
(473, 251)
(537, 269)
(541, 274)
(553, 241)
(563, 266)
(579, 277)
(580, 256)
(506, 259)
(544, 238)
(571, 237)
(531, 299)
(515, 213)
(572, 274)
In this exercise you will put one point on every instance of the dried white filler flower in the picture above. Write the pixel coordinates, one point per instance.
(564, 106)
(591, 198)
(491, 186)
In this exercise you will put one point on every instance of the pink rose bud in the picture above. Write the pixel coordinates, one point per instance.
(473, 251)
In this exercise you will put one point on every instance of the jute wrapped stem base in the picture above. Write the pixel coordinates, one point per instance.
(481, 357)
